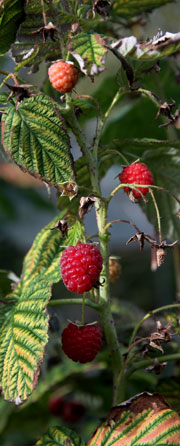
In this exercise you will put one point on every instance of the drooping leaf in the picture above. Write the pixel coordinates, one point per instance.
(89, 51)
(32, 35)
(35, 137)
(60, 436)
(11, 15)
(144, 420)
(22, 339)
(150, 51)
(127, 8)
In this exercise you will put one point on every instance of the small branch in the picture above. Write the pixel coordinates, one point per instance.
(122, 221)
(43, 13)
(147, 362)
(73, 301)
(148, 315)
(157, 213)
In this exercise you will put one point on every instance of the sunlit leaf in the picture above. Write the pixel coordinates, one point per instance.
(144, 420)
(60, 436)
(36, 138)
(89, 51)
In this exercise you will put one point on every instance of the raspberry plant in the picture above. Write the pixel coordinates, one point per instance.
(38, 127)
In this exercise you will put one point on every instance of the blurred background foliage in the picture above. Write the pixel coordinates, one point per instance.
(26, 206)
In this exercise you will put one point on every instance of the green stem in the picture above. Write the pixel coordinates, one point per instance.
(147, 362)
(82, 309)
(148, 315)
(74, 301)
(157, 213)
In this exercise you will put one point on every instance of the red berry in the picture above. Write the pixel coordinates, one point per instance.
(80, 267)
(63, 76)
(81, 343)
(56, 405)
(136, 173)
(72, 411)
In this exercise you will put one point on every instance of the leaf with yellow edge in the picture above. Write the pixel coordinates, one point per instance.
(60, 436)
(144, 420)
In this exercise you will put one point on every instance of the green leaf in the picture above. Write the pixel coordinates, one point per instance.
(144, 420)
(169, 389)
(30, 36)
(11, 15)
(165, 166)
(37, 140)
(60, 436)
(89, 51)
(127, 8)
(22, 340)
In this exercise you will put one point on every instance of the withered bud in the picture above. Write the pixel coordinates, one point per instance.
(165, 110)
(86, 204)
(156, 367)
(68, 189)
(46, 31)
(154, 265)
(114, 269)
(102, 7)
(160, 255)
(19, 91)
(177, 119)
(62, 226)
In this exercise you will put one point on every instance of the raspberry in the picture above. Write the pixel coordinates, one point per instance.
(81, 343)
(80, 267)
(56, 405)
(136, 173)
(63, 76)
(70, 411)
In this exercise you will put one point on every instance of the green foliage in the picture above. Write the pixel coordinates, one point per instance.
(11, 15)
(36, 138)
(128, 8)
(60, 436)
(169, 389)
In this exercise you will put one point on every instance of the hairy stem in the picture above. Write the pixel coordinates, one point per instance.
(147, 362)
(74, 301)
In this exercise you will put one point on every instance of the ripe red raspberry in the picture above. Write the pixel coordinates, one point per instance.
(81, 343)
(56, 405)
(63, 76)
(136, 173)
(80, 267)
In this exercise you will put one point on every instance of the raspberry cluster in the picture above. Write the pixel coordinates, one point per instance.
(70, 411)
(81, 343)
(80, 267)
(63, 76)
(136, 173)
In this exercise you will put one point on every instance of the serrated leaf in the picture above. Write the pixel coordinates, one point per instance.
(11, 15)
(144, 420)
(24, 326)
(22, 339)
(30, 36)
(127, 8)
(89, 51)
(36, 138)
(60, 436)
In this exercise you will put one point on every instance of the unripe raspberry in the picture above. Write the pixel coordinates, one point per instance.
(63, 76)
(80, 267)
(81, 343)
(136, 173)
